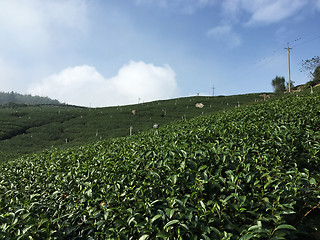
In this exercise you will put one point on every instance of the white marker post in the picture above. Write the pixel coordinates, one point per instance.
(156, 127)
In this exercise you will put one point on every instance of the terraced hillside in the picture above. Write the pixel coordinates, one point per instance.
(250, 173)
(28, 128)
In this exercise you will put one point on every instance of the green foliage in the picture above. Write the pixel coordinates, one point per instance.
(12, 99)
(316, 78)
(291, 85)
(312, 66)
(316, 74)
(26, 129)
(250, 173)
(278, 84)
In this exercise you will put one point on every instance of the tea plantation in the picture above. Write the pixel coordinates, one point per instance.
(249, 173)
(28, 129)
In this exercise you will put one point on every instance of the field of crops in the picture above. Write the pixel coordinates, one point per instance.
(250, 173)
(28, 129)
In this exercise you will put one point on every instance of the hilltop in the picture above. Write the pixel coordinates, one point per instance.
(33, 128)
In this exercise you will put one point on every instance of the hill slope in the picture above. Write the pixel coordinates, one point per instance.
(28, 129)
(249, 173)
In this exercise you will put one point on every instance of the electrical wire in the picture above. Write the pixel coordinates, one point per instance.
(316, 37)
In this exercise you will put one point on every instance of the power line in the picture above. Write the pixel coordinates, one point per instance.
(296, 43)
(317, 36)
(257, 67)
(279, 53)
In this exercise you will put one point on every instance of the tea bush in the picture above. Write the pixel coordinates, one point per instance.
(250, 173)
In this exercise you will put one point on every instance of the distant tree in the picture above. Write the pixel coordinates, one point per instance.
(291, 85)
(316, 74)
(11, 97)
(312, 66)
(278, 84)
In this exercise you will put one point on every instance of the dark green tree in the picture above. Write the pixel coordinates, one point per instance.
(312, 66)
(291, 85)
(316, 74)
(11, 97)
(278, 84)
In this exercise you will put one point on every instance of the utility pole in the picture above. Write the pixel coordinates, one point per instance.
(288, 48)
(212, 90)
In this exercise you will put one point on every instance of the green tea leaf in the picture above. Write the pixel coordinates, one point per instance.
(156, 217)
(170, 223)
(247, 237)
(285, 226)
(144, 237)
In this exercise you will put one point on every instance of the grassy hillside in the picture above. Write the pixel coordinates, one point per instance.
(250, 173)
(27, 129)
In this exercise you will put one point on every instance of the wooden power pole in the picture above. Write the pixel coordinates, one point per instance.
(288, 48)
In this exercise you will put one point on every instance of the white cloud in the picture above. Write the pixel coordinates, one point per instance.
(275, 11)
(159, 3)
(263, 11)
(84, 85)
(33, 33)
(225, 35)
(317, 4)
(186, 6)
(195, 5)
(36, 25)
(7, 76)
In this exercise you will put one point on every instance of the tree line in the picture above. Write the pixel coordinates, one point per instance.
(17, 98)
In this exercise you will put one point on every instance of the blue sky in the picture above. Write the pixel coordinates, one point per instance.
(115, 52)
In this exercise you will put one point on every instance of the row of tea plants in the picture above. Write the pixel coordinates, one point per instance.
(250, 173)
(28, 129)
